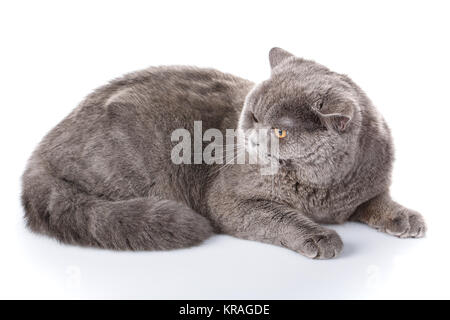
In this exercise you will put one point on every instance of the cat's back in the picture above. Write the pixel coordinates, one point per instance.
(118, 140)
(172, 86)
(167, 97)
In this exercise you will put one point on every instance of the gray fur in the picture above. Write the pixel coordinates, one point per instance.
(103, 177)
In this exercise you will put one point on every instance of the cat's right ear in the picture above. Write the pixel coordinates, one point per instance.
(337, 115)
(278, 55)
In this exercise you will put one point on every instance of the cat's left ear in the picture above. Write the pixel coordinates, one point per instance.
(278, 55)
(337, 116)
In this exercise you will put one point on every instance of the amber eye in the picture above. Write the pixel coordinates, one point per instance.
(280, 133)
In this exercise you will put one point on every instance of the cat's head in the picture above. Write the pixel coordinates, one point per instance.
(311, 111)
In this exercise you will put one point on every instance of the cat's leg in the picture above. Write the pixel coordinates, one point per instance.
(384, 214)
(281, 225)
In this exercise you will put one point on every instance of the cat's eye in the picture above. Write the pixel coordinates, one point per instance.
(280, 133)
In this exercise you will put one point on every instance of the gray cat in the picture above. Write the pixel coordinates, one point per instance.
(104, 176)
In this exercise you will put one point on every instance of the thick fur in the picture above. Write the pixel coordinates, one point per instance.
(104, 177)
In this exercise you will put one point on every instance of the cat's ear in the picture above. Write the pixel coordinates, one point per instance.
(277, 55)
(337, 117)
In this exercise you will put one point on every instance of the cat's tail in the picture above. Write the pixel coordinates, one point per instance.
(59, 209)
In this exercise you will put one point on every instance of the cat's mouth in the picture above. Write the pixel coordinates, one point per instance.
(281, 162)
(274, 157)
(266, 158)
(275, 160)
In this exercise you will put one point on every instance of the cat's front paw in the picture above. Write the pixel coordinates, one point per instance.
(406, 224)
(324, 245)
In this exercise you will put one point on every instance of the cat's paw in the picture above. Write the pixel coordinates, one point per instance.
(324, 245)
(406, 224)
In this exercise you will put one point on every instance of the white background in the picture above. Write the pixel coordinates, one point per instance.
(55, 52)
